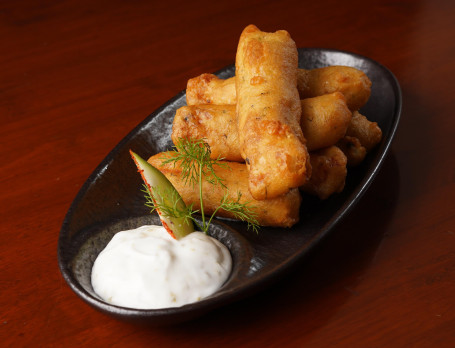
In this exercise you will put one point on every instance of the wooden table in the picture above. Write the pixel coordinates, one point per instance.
(77, 76)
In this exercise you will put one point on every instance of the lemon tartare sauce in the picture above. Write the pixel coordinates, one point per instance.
(145, 268)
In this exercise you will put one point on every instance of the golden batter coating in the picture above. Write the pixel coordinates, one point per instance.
(328, 174)
(324, 122)
(282, 211)
(210, 89)
(353, 83)
(268, 113)
(368, 133)
(353, 150)
(216, 124)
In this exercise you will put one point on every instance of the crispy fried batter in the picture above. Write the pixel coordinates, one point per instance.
(328, 174)
(353, 83)
(210, 89)
(268, 113)
(325, 120)
(216, 124)
(281, 211)
(353, 150)
(368, 133)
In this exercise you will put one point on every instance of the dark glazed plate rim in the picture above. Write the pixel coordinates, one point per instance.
(264, 263)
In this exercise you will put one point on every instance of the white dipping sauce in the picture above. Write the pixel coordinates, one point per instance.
(146, 268)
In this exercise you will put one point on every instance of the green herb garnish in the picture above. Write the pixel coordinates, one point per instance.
(168, 203)
(193, 157)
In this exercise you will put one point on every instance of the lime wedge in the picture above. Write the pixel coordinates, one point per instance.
(157, 183)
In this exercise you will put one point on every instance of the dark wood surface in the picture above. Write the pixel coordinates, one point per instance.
(77, 76)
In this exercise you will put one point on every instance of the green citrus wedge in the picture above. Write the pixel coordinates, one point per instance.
(157, 184)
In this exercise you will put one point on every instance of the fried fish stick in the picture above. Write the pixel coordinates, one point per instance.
(328, 175)
(324, 122)
(282, 211)
(216, 124)
(353, 150)
(268, 113)
(368, 133)
(353, 83)
(210, 89)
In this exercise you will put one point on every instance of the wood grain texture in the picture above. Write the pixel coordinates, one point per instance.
(77, 76)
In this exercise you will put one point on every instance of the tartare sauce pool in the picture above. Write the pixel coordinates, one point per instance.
(145, 268)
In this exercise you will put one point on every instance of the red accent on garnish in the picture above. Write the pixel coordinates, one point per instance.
(168, 229)
(141, 171)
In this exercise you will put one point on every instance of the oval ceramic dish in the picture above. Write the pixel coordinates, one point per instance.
(111, 200)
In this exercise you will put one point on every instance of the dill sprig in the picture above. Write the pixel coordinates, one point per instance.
(169, 206)
(193, 157)
(195, 161)
(241, 211)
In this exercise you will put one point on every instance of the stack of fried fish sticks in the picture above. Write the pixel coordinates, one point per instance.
(281, 129)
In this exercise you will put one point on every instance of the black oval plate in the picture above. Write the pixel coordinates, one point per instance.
(111, 200)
